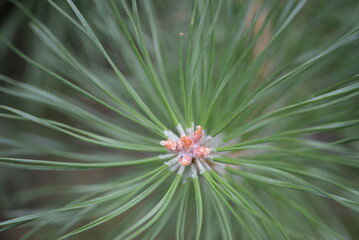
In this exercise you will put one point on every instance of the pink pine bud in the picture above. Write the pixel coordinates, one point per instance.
(197, 135)
(201, 151)
(186, 141)
(185, 160)
(170, 145)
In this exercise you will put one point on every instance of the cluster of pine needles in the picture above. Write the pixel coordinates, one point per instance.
(89, 89)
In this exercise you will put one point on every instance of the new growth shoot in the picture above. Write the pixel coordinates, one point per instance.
(191, 147)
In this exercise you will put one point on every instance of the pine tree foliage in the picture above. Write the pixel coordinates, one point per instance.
(89, 89)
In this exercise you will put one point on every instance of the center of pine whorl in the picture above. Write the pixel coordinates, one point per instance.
(188, 147)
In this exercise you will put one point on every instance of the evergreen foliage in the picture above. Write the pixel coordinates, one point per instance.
(90, 88)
